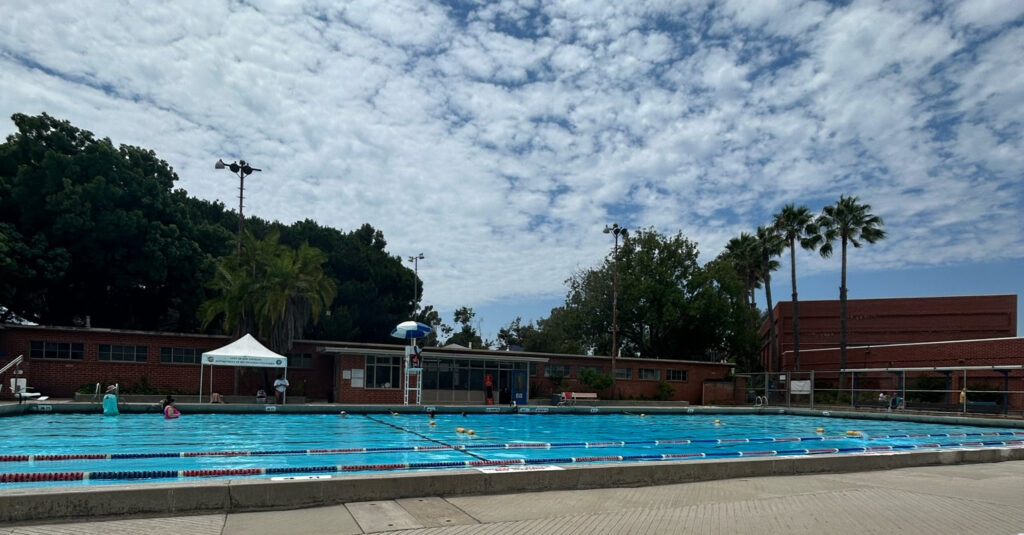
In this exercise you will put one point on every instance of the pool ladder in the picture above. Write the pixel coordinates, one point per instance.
(761, 401)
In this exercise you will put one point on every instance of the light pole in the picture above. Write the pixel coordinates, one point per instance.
(415, 259)
(242, 169)
(616, 231)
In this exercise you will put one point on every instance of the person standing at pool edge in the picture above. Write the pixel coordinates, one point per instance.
(280, 387)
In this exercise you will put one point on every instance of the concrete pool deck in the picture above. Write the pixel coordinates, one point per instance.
(979, 499)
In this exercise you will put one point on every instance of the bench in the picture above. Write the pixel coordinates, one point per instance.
(570, 398)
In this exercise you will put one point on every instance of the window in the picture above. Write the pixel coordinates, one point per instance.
(57, 350)
(676, 375)
(595, 369)
(383, 372)
(556, 370)
(122, 353)
(180, 355)
(300, 360)
(533, 369)
(649, 374)
(623, 373)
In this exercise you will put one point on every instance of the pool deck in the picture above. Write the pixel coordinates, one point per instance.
(979, 499)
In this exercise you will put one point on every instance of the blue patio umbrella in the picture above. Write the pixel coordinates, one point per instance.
(411, 329)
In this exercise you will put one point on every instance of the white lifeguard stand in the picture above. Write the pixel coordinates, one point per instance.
(413, 368)
(411, 330)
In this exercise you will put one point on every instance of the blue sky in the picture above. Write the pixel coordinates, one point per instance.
(499, 138)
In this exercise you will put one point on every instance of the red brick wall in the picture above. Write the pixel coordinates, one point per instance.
(61, 377)
(1003, 351)
(895, 320)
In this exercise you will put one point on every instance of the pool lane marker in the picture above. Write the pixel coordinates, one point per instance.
(227, 472)
(439, 446)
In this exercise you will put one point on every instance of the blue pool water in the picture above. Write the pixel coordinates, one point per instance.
(147, 447)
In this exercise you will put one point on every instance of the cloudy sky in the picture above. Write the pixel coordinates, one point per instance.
(499, 138)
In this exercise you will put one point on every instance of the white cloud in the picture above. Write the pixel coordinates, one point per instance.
(500, 138)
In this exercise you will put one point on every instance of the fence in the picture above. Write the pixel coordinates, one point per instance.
(978, 389)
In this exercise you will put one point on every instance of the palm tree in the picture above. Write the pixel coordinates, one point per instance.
(852, 223)
(742, 252)
(769, 245)
(796, 224)
(294, 292)
(270, 290)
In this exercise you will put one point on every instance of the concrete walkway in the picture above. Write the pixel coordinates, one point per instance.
(977, 499)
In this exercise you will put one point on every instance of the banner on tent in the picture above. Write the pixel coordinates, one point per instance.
(244, 360)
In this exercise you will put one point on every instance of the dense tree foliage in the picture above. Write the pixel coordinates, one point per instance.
(88, 229)
(669, 305)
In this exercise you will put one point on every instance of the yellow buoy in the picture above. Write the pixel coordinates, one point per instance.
(853, 433)
(470, 432)
(642, 415)
(460, 429)
(433, 422)
(718, 421)
(820, 430)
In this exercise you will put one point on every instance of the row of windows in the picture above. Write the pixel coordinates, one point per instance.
(644, 374)
(123, 353)
(381, 371)
(57, 350)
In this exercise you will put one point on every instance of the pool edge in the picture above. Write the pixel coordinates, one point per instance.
(245, 495)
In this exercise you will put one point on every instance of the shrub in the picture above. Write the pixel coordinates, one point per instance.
(665, 391)
(595, 380)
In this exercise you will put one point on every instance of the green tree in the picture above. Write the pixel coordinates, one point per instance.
(669, 306)
(466, 335)
(851, 223)
(95, 230)
(769, 245)
(742, 251)
(374, 287)
(272, 290)
(439, 331)
(797, 224)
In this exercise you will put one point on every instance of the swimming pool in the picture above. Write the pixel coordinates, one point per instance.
(88, 449)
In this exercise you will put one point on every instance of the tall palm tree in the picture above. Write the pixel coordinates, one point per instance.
(742, 252)
(851, 223)
(796, 224)
(769, 245)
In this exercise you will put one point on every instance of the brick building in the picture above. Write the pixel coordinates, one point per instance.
(877, 322)
(60, 361)
(977, 334)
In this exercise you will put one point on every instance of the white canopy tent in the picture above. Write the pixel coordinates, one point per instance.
(246, 351)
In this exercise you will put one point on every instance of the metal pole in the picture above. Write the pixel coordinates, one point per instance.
(615, 313)
(812, 389)
(241, 218)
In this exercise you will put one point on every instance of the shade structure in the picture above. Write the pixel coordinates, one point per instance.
(246, 351)
(408, 330)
